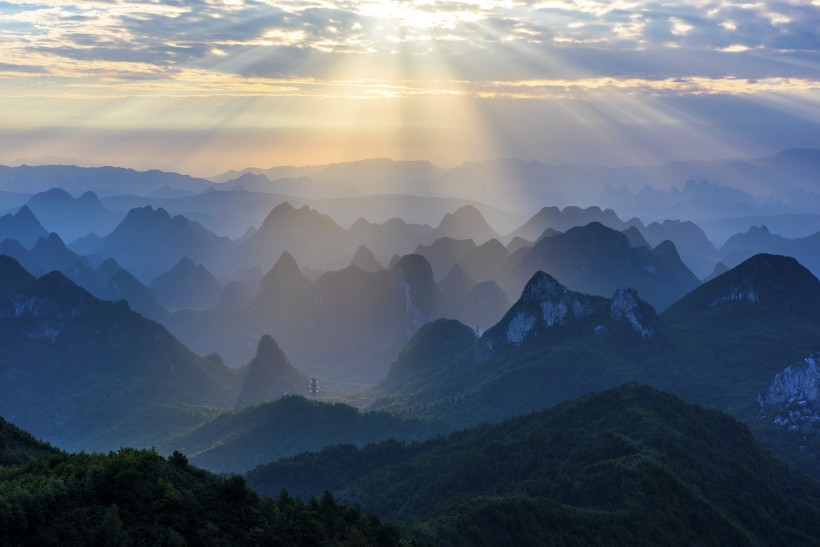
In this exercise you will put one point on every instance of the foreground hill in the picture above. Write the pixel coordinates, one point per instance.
(628, 466)
(135, 497)
(241, 440)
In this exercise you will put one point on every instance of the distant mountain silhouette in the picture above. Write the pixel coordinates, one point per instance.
(150, 241)
(71, 217)
(187, 285)
(12, 276)
(313, 238)
(394, 236)
(696, 251)
(281, 285)
(563, 219)
(465, 223)
(235, 295)
(364, 260)
(444, 252)
(758, 239)
(598, 260)
(269, 375)
(484, 261)
(456, 284)
(636, 238)
(22, 226)
(107, 180)
(484, 305)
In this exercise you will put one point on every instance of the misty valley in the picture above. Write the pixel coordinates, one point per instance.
(392, 353)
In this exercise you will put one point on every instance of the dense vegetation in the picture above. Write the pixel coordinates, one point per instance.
(136, 497)
(241, 440)
(717, 349)
(630, 465)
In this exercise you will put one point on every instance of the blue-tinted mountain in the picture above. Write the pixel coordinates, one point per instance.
(71, 217)
(444, 252)
(394, 236)
(465, 223)
(626, 466)
(721, 345)
(765, 281)
(483, 262)
(635, 237)
(706, 197)
(101, 180)
(283, 282)
(150, 241)
(552, 344)
(563, 219)
(696, 251)
(186, 285)
(269, 376)
(50, 253)
(484, 305)
(109, 281)
(456, 284)
(22, 226)
(598, 260)
(757, 239)
(12, 276)
(90, 374)
(345, 327)
(47, 254)
(428, 357)
(235, 295)
(365, 260)
(313, 238)
(353, 322)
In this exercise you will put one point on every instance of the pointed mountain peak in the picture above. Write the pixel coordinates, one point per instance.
(635, 237)
(108, 268)
(286, 265)
(360, 224)
(544, 303)
(282, 282)
(185, 263)
(771, 281)
(542, 287)
(466, 222)
(413, 264)
(456, 284)
(146, 214)
(25, 213)
(365, 260)
(268, 351)
(667, 250)
(12, 275)
(627, 306)
(269, 375)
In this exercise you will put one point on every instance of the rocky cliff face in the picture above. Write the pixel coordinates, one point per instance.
(796, 391)
(546, 304)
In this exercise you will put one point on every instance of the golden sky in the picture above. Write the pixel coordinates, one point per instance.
(202, 86)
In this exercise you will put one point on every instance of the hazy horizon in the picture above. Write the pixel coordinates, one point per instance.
(204, 87)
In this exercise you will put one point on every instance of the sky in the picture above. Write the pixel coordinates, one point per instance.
(202, 86)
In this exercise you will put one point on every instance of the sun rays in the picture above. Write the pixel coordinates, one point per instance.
(446, 81)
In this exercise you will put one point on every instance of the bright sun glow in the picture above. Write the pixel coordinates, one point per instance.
(332, 80)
